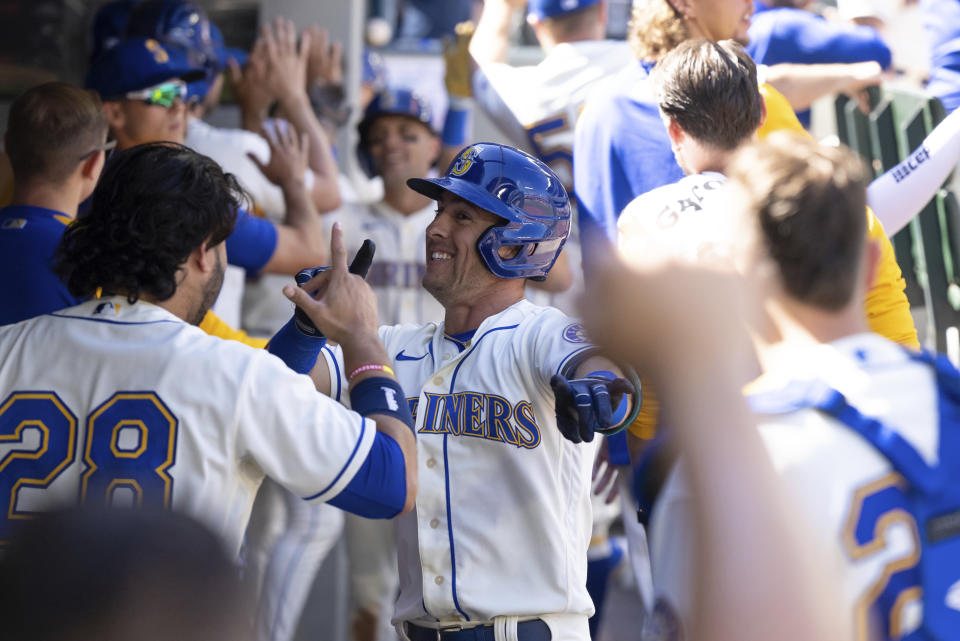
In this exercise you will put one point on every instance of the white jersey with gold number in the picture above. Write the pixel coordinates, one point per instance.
(502, 519)
(119, 403)
(838, 481)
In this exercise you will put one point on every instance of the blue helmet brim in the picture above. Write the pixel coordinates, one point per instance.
(470, 192)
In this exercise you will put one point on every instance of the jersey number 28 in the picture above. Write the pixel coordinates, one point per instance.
(128, 444)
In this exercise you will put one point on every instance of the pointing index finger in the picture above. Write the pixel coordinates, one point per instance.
(337, 251)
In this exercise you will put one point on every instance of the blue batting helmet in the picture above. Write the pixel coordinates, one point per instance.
(517, 187)
(178, 23)
(391, 102)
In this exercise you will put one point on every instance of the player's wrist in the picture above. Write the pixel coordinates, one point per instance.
(361, 348)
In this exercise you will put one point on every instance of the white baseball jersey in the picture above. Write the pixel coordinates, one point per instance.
(685, 219)
(502, 518)
(537, 106)
(112, 402)
(840, 482)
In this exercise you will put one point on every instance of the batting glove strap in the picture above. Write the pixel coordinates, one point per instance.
(380, 395)
(303, 323)
(295, 348)
(583, 405)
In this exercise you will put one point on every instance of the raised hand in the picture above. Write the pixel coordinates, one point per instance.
(286, 63)
(289, 154)
(251, 88)
(338, 303)
(325, 63)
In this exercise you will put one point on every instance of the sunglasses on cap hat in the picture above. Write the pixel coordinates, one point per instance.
(163, 95)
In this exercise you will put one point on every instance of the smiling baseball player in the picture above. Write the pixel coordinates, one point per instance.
(502, 391)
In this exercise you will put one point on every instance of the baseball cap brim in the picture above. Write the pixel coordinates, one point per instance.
(136, 64)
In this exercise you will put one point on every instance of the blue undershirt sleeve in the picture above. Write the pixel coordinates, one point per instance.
(252, 243)
(379, 488)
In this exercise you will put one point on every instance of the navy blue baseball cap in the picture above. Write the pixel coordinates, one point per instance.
(540, 9)
(138, 63)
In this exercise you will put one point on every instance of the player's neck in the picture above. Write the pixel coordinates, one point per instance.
(178, 305)
(61, 198)
(795, 325)
(700, 158)
(467, 315)
(405, 200)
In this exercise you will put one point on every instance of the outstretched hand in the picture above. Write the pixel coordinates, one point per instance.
(586, 405)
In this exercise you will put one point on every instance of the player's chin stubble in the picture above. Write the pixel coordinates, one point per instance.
(211, 289)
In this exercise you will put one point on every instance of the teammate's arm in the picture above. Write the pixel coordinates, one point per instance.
(899, 195)
(805, 84)
(346, 312)
(491, 39)
(287, 65)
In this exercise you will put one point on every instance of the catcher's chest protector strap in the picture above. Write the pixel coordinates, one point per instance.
(931, 494)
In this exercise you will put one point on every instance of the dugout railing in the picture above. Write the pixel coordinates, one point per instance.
(928, 249)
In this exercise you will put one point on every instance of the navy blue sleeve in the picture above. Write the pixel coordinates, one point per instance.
(252, 243)
(621, 150)
(795, 35)
(295, 348)
(379, 488)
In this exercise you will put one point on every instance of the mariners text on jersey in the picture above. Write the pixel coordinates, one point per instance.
(477, 415)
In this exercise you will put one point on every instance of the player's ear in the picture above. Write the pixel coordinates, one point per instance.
(92, 165)
(205, 257)
(675, 131)
(116, 117)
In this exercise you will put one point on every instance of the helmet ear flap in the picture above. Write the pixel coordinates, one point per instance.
(487, 248)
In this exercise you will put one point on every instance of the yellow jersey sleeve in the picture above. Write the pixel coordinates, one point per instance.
(215, 326)
(888, 311)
